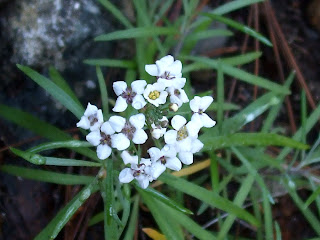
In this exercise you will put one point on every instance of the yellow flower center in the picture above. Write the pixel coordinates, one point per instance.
(182, 133)
(154, 95)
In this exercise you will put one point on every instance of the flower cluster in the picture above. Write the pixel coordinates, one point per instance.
(177, 138)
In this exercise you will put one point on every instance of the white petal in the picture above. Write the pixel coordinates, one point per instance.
(168, 151)
(121, 105)
(154, 153)
(117, 123)
(183, 96)
(127, 158)
(162, 98)
(197, 120)
(176, 100)
(152, 69)
(143, 181)
(119, 87)
(120, 141)
(207, 121)
(205, 102)
(157, 169)
(126, 175)
(186, 157)
(159, 86)
(178, 82)
(197, 145)
(138, 102)
(195, 104)
(178, 121)
(175, 68)
(165, 82)
(170, 137)
(138, 120)
(103, 151)
(145, 161)
(91, 109)
(166, 60)
(193, 129)
(84, 123)
(107, 129)
(138, 86)
(158, 132)
(94, 138)
(139, 137)
(184, 145)
(99, 117)
(174, 164)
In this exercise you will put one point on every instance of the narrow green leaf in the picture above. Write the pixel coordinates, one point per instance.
(133, 220)
(220, 93)
(206, 196)
(116, 12)
(54, 90)
(52, 230)
(249, 139)
(239, 27)
(233, 5)
(312, 197)
(157, 195)
(60, 144)
(196, 36)
(104, 92)
(140, 32)
(46, 176)
(105, 62)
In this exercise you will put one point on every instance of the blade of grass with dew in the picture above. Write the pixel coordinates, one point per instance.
(243, 28)
(54, 91)
(241, 75)
(104, 92)
(167, 226)
(133, 221)
(46, 176)
(60, 144)
(139, 32)
(116, 12)
(41, 160)
(207, 196)
(239, 199)
(41, 128)
(312, 219)
(106, 62)
(164, 199)
(52, 230)
(310, 122)
(186, 222)
(249, 139)
(220, 97)
(62, 83)
(274, 111)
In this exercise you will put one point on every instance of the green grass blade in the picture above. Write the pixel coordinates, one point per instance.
(106, 62)
(220, 97)
(164, 7)
(133, 220)
(52, 230)
(54, 90)
(140, 32)
(196, 36)
(60, 144)
(116, 12)
(241, 75)
(46, 176)
(249, 139)
(239, 27)
(241, 196)
(233, 5)
(104, 92)
(62, 83)
(313, 197)
(206, 196)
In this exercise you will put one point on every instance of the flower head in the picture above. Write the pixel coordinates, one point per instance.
(129, 95)
(92, 118)
(199, 105)
(159, 128)
(177, 96)
(155, 94)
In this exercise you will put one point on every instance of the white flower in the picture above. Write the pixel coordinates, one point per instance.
(198, 105)
(155, 93)
(162, 159)
(177, 96)
(92, 118)
(129, 95)
(184, 138)
(141, 172)
(127, 158)
(159, 128)
(132, 129)
(105, 138)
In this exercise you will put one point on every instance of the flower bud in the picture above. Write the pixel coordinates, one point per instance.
(173, 107)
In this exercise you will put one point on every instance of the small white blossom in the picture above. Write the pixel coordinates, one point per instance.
(105, 138)
(177, 96)
(199, 105)
(92, 118)
(155, 94)
(132, 128)
(141, 172)
(159, 128)
(162, 159)
(129, 95)
(127, 158)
